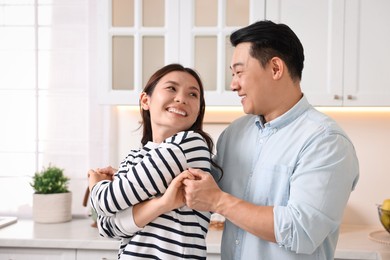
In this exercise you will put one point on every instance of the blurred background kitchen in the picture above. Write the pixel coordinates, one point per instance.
(71, 72)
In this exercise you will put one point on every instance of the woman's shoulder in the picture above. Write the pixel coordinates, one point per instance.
(185, 137)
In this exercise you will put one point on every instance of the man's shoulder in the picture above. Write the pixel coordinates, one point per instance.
(321, 124)
(243, 122)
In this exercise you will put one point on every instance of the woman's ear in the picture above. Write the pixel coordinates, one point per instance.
(144, 101)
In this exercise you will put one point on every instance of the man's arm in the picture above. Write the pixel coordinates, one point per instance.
(203, 193)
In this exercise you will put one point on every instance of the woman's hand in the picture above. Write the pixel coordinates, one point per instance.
(94, 176)
(173, 197)
(107, 170)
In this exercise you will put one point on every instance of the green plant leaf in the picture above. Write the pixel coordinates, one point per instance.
(50, 180)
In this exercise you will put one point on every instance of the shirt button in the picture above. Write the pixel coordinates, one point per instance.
(237, 242)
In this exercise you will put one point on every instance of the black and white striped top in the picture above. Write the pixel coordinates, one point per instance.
(146, 173)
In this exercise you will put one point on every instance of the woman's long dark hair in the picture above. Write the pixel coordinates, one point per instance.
(198, 124)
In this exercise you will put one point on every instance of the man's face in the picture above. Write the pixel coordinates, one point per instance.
(251, 81)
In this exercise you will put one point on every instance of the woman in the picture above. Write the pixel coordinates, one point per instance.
(172, 108)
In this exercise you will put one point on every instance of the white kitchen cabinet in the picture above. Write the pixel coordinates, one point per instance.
(113, 255)
(89, 254)
(346, 49)
(213, 257)
(367, 53)
(345, 41)
(135, 38)
(77, 240)
(319, 26)
(37, 254)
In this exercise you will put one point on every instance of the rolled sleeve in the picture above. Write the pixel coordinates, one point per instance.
(282, 227)
(319, 192)
(301, 228)
(125, 221)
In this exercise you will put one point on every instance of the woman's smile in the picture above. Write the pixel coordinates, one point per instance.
(177, 111)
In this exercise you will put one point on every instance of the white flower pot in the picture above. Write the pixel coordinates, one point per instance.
(52, 208)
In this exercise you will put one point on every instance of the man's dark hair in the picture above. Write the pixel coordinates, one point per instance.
(270, 40)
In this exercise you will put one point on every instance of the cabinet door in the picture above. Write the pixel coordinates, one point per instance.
(205, 46)
(137, 37)
(134, 39)
(213, 257)
(37, 254)
(319, 26)
(97, 254)
(367, 53)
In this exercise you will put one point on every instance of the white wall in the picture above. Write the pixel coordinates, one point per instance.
(369, 131)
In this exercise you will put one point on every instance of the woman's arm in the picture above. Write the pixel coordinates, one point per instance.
(173, 198)
(126, 222)
(150, 176)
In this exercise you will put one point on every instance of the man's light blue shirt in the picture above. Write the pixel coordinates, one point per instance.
(304, 165)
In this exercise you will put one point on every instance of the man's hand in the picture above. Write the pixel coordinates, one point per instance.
(202, 193)
(173, 198)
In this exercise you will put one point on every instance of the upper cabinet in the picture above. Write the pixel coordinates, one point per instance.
(346, 48)
(367, 53)
(345, 42)
(137, 37)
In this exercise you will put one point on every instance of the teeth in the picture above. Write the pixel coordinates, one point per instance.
(177, 111)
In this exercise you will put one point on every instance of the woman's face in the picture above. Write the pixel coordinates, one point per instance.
(174, 104)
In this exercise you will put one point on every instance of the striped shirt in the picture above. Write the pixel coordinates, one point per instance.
(146, 173)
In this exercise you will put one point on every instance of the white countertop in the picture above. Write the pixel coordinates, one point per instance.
(354, 242)
(76, 234)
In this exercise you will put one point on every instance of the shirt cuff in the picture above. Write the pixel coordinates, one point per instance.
(282, 227)
(124, 219)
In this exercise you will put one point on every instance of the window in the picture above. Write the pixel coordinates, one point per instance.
(44, 93)
(18, 87)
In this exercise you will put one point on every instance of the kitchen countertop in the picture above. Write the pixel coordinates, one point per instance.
(76, 234)
(354, 242)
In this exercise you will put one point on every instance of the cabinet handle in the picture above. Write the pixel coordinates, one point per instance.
(337, 97)
(350, 97)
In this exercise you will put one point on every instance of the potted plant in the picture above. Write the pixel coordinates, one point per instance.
(52, 201)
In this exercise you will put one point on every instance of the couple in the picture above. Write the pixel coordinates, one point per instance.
(281, 177)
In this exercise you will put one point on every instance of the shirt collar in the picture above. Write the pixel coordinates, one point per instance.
(297, 110)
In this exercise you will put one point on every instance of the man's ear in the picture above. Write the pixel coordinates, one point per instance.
(144, 101)
(277, 66)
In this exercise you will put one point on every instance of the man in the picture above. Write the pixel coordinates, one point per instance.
(288, 170)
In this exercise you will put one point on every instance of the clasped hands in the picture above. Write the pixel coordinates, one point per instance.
(193, 187)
